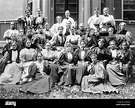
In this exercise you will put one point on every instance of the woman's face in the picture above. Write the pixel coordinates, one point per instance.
(59, 19)
(124, 46)
(94, 58)
(28, 43)
(14, 46)
(105, 11)
(122, 27)
(39, 57)
(96, 11)
(88, 31)
(60, 31)
(68, 48)
(28, 13)
(72, 30)
(82, 45)
(48, 47)
(112, 45)
(96, 32)
(110, 31)
(68, 24)
(100, 44)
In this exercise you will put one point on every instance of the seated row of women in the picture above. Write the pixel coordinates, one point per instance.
(96, 69)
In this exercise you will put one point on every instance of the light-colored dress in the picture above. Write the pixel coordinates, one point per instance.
(107, 21)
(54, 28)
(10, 32)
(73, 39)
(96, 81)
(27, 55)
(69, 19)
(93, 21)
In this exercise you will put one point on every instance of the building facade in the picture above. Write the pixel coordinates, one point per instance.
(81, 10)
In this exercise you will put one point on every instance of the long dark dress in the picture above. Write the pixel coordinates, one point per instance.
(102, 54)
(82, 59)
(41, 82)
(67, 64)
(116, 68)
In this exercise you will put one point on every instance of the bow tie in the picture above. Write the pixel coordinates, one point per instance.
(106, 15)
(67, 18)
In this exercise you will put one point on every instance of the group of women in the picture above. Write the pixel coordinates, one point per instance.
(43, 58)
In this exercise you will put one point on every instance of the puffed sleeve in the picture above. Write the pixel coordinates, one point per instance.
(53, 40)
(22, 55)
(112, 20)
(6, 34)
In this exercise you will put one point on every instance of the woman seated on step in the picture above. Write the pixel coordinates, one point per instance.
(121, 65)
(40, 81)
(13, 69)
(96, 81)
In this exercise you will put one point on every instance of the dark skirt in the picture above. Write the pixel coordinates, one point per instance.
(68, 76)
(41, 84)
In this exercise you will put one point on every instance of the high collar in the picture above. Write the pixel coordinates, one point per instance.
(106, 15)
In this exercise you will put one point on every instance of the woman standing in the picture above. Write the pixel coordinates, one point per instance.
(41, 81)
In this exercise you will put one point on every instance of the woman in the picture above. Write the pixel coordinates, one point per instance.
(67, 63)
(87, 38)
(101, 51)
(116, 77)
(27, 57)
(40, 82)
(119, 67)
(50, 56)
(107, 21)
(96, 81)
(59, 39)
(73, 38)
(126, 57)
(13, 70)
(39, 19)
(54, 28)
(95, 20)
(82, 58)
(47, 32)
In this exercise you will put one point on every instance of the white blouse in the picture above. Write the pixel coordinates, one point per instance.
(40, 66)
(14, 55)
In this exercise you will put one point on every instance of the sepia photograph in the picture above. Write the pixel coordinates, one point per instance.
(67, 49)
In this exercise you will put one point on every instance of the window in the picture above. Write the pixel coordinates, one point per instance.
(128, 9)
(121, 9)
(60, 6)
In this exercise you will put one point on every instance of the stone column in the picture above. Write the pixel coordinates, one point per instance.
(36, 5)
(86, 12)
(46, 8)
(81, 11)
